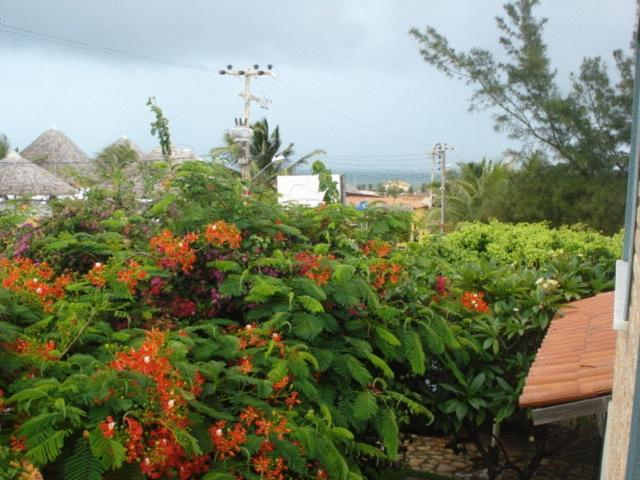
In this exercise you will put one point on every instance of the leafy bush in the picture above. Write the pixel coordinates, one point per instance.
(218, 335)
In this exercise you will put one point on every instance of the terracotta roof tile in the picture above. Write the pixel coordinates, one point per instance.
(575, 360)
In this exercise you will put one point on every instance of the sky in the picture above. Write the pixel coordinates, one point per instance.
(350, 79)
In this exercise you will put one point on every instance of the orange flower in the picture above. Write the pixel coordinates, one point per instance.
(249, 415)
(378, 247)
(292, 400)
(96, 275)
(176, 253)
(315, 267)
(221, 232)
(474, 301)
(23, 275)
(283, 382)
(245, 365)
(132, 275)
(385, 273)
(227, 442)
(108, 427)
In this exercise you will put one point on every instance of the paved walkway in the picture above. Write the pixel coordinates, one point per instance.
(578, 459)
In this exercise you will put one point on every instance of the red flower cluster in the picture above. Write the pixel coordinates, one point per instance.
(17, 444)
(151, 360)
(183, 308)
(315, 267)
(27, 347)
(23, 275)
(152, 443)
(292, 400)
(108, 427)
(441, 286)
(176, 252)
(95, 276)
(377, 247)
(228, 441)
(132, 275)
(474, 301)
(251, 336)
(165, 458)
(267, 467)
(246, 367)
(221, 232)
(385, 273)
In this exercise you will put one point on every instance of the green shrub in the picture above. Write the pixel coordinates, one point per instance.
(218, 334)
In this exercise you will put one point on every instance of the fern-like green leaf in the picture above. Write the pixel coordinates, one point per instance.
(82, 465)
(307, 326)
(233, 285)
(414, 352)
(110, 452)
(433, 340)
(48, 449)
(308, 287)
(381, 364)
(365, 406)
(225, 266)
(388, 430)
(357, 370)
(387, 337)
(310, 304)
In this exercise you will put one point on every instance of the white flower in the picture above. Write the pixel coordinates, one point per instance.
(219, 432)
(39, 290)
(147, 359)
(97, 265)
(171, 403)
(516, 309)
(111, 425)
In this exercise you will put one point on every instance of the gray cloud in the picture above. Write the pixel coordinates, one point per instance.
(336, 60)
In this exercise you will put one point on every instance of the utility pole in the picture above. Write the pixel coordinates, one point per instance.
(433, 174)
(440, 149)
(242, 132)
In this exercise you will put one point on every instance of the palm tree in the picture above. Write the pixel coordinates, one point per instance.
(470, 194)
(265, 147)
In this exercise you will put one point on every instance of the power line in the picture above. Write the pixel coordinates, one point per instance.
(309, 100)
(292, 90)
(25, 32)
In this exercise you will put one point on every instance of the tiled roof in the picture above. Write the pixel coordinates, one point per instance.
(575, 361)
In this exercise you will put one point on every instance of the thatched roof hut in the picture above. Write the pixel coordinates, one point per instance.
(178, 155)
(22, 178)
(123, 140)
(56, 152)
(135, 172)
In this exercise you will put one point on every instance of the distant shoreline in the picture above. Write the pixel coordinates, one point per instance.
(360, 177)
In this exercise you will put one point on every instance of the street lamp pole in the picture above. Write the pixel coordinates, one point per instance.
(441, 150)
(276, 159)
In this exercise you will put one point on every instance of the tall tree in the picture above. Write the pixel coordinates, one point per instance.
(4, 146)
(588, 127)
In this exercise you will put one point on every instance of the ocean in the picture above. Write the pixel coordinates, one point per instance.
(367, 177)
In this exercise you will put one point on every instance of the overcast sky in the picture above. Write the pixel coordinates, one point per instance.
(350, 78)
